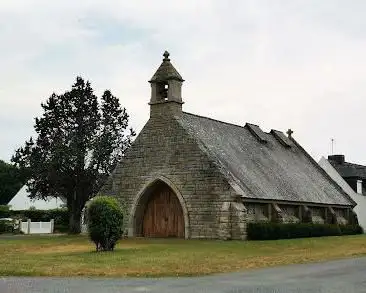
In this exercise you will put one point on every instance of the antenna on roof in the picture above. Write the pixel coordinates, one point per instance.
(332, 146)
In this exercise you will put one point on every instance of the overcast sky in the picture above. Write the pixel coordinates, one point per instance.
(278, 64)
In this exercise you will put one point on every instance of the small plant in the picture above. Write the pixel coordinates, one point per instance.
(105, 222)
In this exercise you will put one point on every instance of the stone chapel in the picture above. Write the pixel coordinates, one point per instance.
(190, 176)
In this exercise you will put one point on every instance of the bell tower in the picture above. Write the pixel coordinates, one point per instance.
(166, 90)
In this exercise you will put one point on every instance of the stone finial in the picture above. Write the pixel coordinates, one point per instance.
(166, 71)
(166, 56)
(289, 133)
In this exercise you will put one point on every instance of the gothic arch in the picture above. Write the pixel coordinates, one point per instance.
(141, 200)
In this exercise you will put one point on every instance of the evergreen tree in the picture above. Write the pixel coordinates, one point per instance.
(11, 181)
(79, 142)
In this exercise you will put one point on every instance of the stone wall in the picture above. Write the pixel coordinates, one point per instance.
(164, 149)
(257, 212)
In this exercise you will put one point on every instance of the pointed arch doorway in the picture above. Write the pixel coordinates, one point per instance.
(163, 215)
(159, 212)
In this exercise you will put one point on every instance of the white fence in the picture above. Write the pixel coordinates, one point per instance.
(37, 227)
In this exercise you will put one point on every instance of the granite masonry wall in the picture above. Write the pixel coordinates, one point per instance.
(163, 149)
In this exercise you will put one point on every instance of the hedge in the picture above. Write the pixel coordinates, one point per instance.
(273, 231)
(61, 216)
(4, 211)
(6, 227)
(60, 228)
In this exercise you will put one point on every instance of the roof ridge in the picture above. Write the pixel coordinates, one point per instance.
(356, 165)
(220, 121)
(231, 124)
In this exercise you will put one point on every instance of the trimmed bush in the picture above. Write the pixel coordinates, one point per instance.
(351, 229)
(273, 231)
(105, 222)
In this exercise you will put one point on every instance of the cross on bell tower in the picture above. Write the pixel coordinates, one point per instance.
(166, 88)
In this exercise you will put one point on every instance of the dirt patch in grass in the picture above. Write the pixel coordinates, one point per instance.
(75, 256)
(69, 248)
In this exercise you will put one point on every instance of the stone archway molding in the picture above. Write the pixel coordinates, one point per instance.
(142, 193)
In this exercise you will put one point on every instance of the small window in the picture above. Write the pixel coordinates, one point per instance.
(359, 186)
(166, 88)
(163, 91)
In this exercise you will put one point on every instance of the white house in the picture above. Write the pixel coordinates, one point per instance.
(21, 201)
(359, 198)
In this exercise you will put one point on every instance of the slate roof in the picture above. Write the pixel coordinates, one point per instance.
(349, 170)
(166, 71)
(261, 170)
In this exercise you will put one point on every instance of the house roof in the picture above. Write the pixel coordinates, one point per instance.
(346, 169)
(263, 166)
(21, 201)
(166, 71)
(332, 172)
(358, 198)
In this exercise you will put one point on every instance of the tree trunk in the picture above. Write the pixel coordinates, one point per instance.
(75, 210)
(75, 221)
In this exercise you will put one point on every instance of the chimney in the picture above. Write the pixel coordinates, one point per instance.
(338, 159)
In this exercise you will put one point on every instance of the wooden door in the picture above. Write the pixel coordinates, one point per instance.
(163, 215)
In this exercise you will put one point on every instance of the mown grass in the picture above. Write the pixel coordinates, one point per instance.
(75, 256)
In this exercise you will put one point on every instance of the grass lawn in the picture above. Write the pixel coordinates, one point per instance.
(75, 256)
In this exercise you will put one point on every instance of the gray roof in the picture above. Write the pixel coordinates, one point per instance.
(350, 170)
(261, 165)
(166, 71)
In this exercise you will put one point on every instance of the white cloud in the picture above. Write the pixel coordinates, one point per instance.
(280, 64)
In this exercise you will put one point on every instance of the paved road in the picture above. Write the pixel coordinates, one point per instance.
(344, 276)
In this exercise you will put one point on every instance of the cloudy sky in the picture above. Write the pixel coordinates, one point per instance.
(279, 64)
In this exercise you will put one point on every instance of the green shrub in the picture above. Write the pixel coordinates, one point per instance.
(60, 228)
(4, 211)
(351, 229)
(273, 231)
(36, 215)
(6, 226)
(105, 222)
(60, 216)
